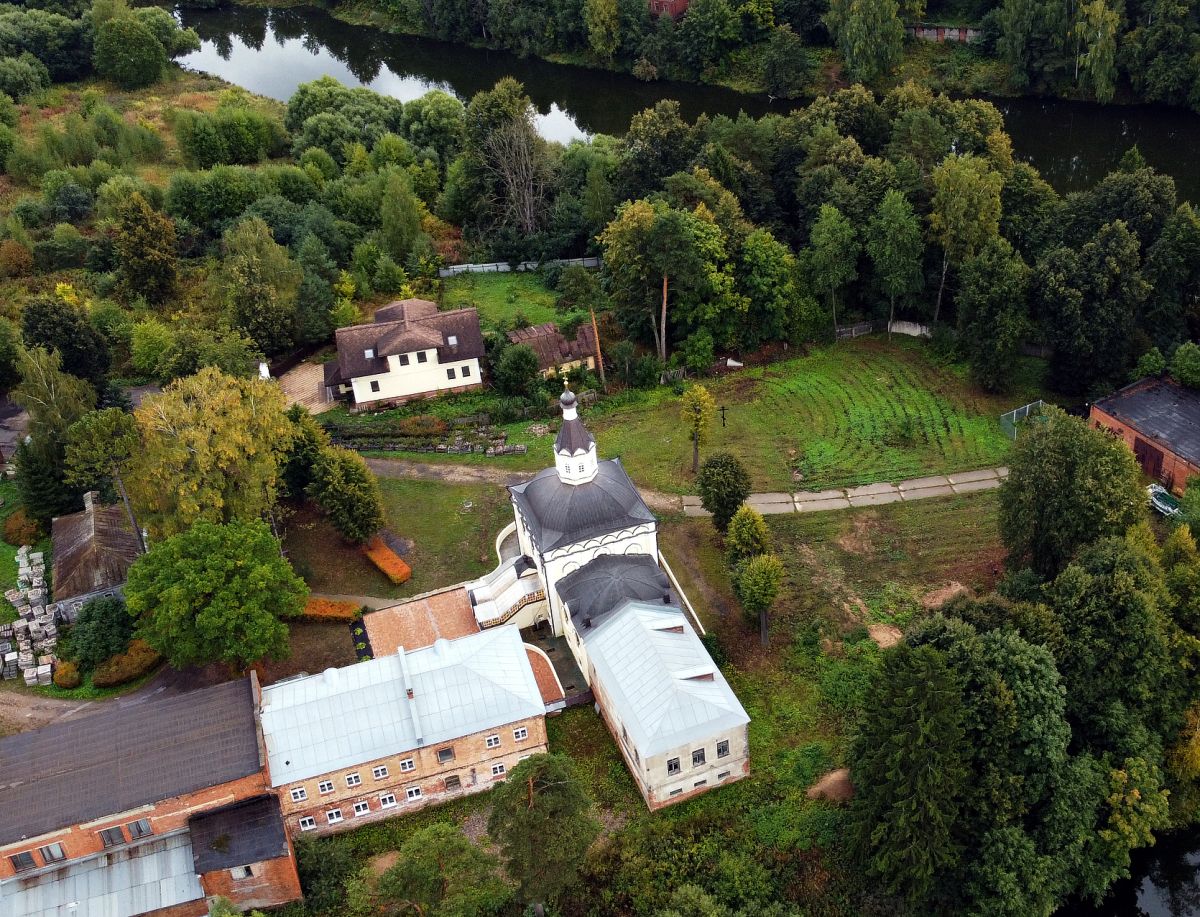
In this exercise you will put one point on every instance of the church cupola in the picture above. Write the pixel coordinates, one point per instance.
(575, 447)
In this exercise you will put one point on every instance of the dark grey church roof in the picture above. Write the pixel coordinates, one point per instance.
(573, 437)
(1160, 410)
(238, 835)
(560, 514)
(609, 581)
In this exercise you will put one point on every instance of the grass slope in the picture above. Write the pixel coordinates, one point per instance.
(501, 298)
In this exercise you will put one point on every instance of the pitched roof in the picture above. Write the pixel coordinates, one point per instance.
(137, 879)
(559, 514)
(609, 581)
(246, 832)
(125, 756)
(661, 682)
(402, 327)
(1160, 409)
(419, 622)
(93, 550)
(552, 348)
(349, 716)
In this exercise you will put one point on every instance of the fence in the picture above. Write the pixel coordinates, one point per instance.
(1010, 420)
(848, 332)
(503, 267)
(912, 329)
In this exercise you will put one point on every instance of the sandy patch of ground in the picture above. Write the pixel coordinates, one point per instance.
(859, 539)
(382, 862)
(834, 787)
(939, 597)
(885, 635)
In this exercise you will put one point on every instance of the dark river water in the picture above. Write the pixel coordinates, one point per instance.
(272, 51)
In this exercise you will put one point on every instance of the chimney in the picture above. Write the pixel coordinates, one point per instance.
(409, 692)
(587, 622)
(666, 597)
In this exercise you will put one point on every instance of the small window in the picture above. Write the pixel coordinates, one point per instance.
(139, 828)
(422, 357)
(52, 853)
(362, 807)
(581, 469)
(493, 741)
(333, 816)
(466, 371)
(445, 755)
(676, 792)
(452, 340)
(520, 734)
(387, 800)
(624, 734)
(699, 783)
(523, 757)
(413, 792)
(450, 373)
(403, 359)
(242, 872)
(408, 765)
(723, 748)
(353, 779)
(299, 794)
(380, 772)
(22, 861)
(374, 385)
(325, 786)
(673, 766)
(308, 823)
(111, 837)
(453, 783)
(722, 775)
(497, 770)
(369, 354)
(697, 757)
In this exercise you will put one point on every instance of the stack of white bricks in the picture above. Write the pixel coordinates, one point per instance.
(31, 640)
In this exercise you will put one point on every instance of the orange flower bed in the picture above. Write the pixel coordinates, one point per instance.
(330, 610)
(390, 563)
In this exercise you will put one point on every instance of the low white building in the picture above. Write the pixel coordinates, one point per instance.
(410, 351)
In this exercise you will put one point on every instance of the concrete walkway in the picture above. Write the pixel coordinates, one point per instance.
(807, 501)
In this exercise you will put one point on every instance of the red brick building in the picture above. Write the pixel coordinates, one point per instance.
(1160, 421)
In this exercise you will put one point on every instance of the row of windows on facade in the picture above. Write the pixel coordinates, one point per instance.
(450, 374)
(422, 356)
(407, 766)
(698, 757)
(56, 853)
(388, 800)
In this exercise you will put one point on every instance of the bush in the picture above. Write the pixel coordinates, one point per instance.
(15, 259)
(66, 676)
(422, 426)
(21, 76)
(135, 662)
(103, 630)
(330, 610)
(346, 491)
(390, 563)
(516, 372)
(724, 486)
(20, 529)
(1185, 365)
(66, 248)
(127, 53)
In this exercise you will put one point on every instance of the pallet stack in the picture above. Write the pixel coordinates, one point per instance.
(27, 646)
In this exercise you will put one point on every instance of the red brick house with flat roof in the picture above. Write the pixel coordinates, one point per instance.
(1160, 421)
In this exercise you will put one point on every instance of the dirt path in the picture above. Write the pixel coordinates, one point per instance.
(21, 710)
(478, 474)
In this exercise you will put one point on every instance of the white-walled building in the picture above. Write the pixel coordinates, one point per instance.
(411, 350)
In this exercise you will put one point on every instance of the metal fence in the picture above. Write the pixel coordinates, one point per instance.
(503, 267)
(1010, 420)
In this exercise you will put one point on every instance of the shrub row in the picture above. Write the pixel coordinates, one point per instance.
(330, 610)
(390, 563)
(124, 667)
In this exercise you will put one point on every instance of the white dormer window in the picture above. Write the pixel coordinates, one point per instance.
(452, 340)
(369, 353)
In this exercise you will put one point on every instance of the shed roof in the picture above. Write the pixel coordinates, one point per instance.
(126, 755)
(560, 514)
(93, 550)
(609, 581)
(349, 716)
(552, 347)
(246, 832)
(662, 684)
(1162, 410)
(117, 883)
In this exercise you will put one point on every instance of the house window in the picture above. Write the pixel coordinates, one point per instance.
(325, 786)
(697, 757)
(413, 792)
(139, 828)
(497, 770)
(445, 755)
(408, 765)
(333, 816)
(308, 823)
(722, 775)
(387, 800)
(403, 359)
(452, 340)
(52, 853)
(369, 354)
(493, 741)
(380, 772)
(299, 794)
(374, 385)
(362, 807)
(453, 783)
(242, 872)
(111, 837)
(699, 783)
(23, 860)
(422, 357)
(520, 734)
(450, 373)
(672, 766)
(353, 779)
(581, 469)
(466, 371)
(723, 748)
(676, 792)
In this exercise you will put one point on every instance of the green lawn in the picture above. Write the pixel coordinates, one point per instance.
(453, 528)
(501, 298)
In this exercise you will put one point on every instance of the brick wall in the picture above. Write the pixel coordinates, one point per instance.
(1175, 470)
(472, 764)
(271, 883)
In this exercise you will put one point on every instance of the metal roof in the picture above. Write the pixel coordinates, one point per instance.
(346, 717)
(126, 755)
(246, 832)
(560, 514)
(117, 883)
(1162, 410)
(607, 582)
(662, 684)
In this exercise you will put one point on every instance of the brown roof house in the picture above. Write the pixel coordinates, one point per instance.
(93, 551)
(555, 352)
(410, 351)
(1160, 421)
(147, 807)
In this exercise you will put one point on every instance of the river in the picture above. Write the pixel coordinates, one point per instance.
(271, 52)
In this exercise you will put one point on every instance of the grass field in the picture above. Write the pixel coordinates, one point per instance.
(501, 298)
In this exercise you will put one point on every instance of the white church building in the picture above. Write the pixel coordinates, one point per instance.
(588, 566)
